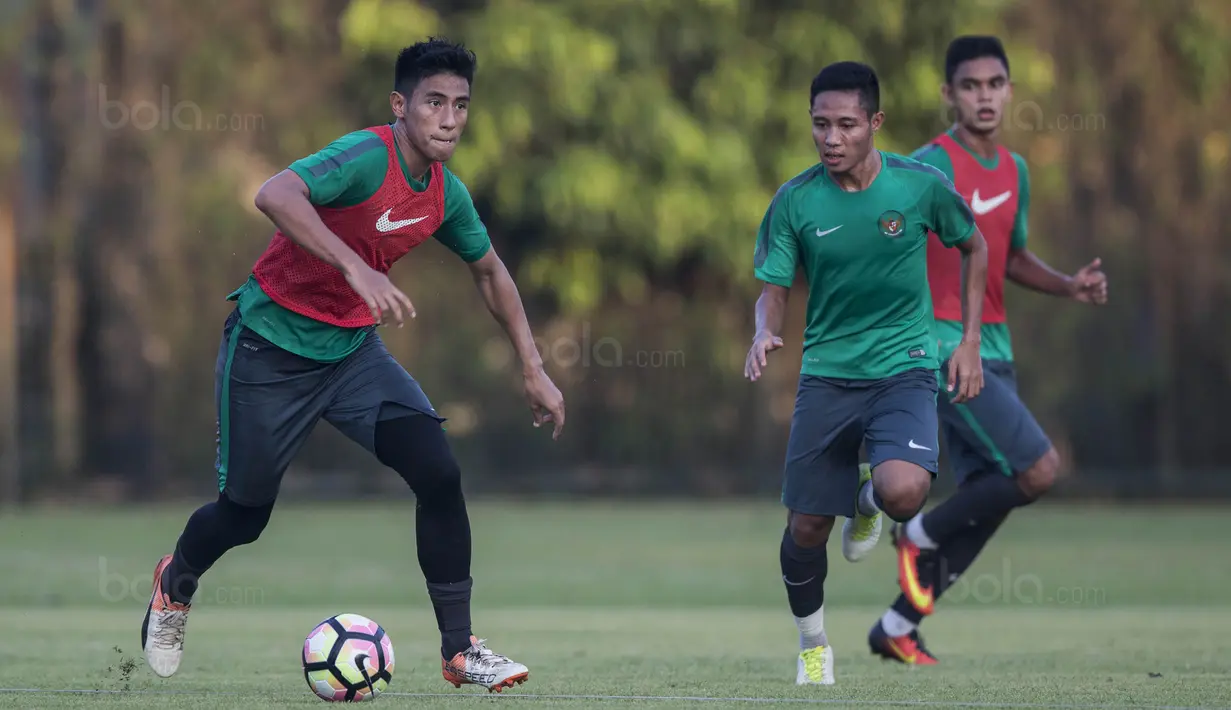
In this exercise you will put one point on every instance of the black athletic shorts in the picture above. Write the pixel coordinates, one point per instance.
(269, 400)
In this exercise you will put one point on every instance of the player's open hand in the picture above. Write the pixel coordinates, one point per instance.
(965, 373)
(546, 402)
(380, 294)
(1090, 284)
(756, 361)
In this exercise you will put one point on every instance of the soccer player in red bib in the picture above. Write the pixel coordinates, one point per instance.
(301, 345)
(1000, 456)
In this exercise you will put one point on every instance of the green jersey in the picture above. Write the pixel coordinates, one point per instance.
(344, 173)
(864, 256)
(997, 343)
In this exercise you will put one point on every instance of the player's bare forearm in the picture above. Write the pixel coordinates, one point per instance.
(771, 310)
(1028, 270)
(284, 200)
(974, 283)
(500, 293)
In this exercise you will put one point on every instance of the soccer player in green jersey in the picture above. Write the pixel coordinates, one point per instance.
(857, 223)
(301, 345)
(1000, 456)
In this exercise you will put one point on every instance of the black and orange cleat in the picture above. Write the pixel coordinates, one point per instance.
(478, 665)
(914, 566)
(908, 649)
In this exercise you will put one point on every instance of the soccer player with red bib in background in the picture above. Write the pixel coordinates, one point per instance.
(301, 345)
(1000, 456)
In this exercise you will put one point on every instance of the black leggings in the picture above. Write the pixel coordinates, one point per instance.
(415, 446)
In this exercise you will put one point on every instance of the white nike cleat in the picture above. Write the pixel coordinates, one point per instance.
(815, 666)
(162, 632)
(861, 533)
(478, 665)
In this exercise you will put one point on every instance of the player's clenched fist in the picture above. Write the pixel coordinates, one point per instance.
(379, 293)
(762, 344)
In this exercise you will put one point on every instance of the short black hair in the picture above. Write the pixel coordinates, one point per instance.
(435, 56)
(968, 47)
(850, 76)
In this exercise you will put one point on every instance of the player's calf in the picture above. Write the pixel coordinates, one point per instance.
(805, 565)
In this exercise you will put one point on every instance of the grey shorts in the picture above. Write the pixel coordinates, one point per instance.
(994, 432)
(895, 418)
(269, 400)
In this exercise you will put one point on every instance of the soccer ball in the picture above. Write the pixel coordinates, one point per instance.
(348, 658)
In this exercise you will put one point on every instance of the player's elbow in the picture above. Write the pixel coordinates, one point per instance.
(278, 192)
(978, 245)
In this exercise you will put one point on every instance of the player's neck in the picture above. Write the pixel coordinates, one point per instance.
(861, 176)
(417, 165)
(985, 145)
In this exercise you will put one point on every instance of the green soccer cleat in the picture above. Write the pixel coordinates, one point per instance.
(861, 533)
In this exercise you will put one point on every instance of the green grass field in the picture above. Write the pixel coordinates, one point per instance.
(629, 605)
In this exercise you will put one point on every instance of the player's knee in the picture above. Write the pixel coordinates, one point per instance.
(416, 447)
(809, 530)
(242, 524)
(438, 478)
(903, 490)
(1039, 478)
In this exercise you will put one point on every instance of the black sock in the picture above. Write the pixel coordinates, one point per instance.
(955, 557)
(803, 572)
(211, 531)
(451, 602)
(415, 446)
(985, 498)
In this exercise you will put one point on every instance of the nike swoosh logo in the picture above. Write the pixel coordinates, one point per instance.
(798, 584)
(981, 206)
(913, 445)
(819, 233)
(385, 225)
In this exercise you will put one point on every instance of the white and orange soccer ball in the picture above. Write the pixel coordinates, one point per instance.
(348, 658)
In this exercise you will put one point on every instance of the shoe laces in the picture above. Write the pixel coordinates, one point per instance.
(169, 632)
(480, 654)
(814, 661)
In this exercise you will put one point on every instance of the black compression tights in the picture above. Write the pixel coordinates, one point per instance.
(415, 446)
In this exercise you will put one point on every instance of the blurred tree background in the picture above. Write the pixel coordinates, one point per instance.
(622, 153)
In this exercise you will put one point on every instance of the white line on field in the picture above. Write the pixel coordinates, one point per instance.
(666, 699)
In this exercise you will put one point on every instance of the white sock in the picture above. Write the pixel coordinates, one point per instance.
(812, 629)
(867, 505)
(897, 625)
(914, 531)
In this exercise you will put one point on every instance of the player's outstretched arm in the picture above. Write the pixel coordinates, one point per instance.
(284, 199)
(1088, 285)
(770, 314)
(500, 293)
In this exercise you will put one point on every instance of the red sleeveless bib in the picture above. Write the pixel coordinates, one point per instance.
(381, 230)
(992, 196)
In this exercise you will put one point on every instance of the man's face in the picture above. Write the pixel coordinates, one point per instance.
(842, 129)
(978, 93)
(434, 114)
